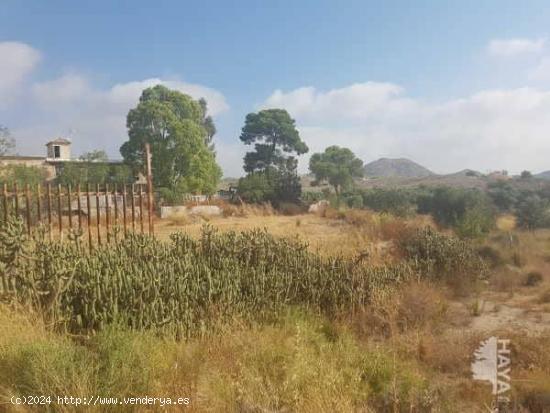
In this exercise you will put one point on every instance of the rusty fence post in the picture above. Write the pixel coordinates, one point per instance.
(59, 213)
(107, 213)
(16, 198)
(115, 206)
(79, 206)
(132, 193)
(69, 201)
(98, 214)
(39, 203)
(150, 195)
(28, 207)
(124, 212)
(49, 208)
(5, 192)
(89, 217)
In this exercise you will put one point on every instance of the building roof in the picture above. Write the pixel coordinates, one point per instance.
(59, 141)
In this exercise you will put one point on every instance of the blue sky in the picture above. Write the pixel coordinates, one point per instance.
(451, 84)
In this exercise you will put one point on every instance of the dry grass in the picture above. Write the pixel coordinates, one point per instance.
(299, 363)
(409, 351)
(331, 232)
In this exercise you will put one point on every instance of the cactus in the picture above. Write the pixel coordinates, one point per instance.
(183, 287)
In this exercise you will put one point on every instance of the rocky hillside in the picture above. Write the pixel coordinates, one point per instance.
(386, 167)
(543, 175)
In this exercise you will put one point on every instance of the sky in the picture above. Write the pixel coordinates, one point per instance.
(448, 84)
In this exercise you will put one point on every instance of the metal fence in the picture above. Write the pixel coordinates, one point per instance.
(101, 212)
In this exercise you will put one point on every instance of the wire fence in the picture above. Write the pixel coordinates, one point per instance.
(98, 212)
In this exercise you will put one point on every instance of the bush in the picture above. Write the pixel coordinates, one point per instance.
(22, 175)
(491, 256)
(256, 188)
(443, 257)
(532, 278)
(469, 211)
(272, 186)
(353, 201)
(398, 202)
(533, 213)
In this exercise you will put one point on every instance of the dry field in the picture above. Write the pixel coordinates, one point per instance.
(406, 352)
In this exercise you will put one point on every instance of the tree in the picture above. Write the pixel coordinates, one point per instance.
(256, 188)
(469, 211)
(93, 167)
(504, 195)
(276, 140)
(533, 212)
(526, 175)
(7, 143)
(339, 166)
(174, 125)
(275, 137)
(208, 124)
(94, 156)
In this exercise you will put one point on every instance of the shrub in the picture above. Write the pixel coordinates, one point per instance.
(354, 201)
(532, 278)
(23, 175)
(469, 211)
(256, 188)
(398, 202)
(504, 195)
(533, 212)
(443, 257)
(491, 256)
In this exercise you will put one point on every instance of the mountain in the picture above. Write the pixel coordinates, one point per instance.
(404, 168)
(543, 175)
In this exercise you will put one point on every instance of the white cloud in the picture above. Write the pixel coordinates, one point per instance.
(63, 90)
(17, 61)
(541, 72)
(128, 93)
(512, 47)
(94, 118)
(492, 129)
(71, 105)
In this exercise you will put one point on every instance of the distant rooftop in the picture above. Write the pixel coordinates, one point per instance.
(59, 141)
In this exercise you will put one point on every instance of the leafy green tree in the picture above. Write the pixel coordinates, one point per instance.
(7, 143)
(208, 124)
(276, 142)
(275, 137)
(533, 212)
(173, 124)
(121, 174)
(339, 166)
(94, 168)
(94, 156)
(504, 195)
(396, 201)
(526, 175)
(256, 187)
(469, 211)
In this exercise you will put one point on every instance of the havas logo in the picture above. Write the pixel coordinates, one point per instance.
(492, 364)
